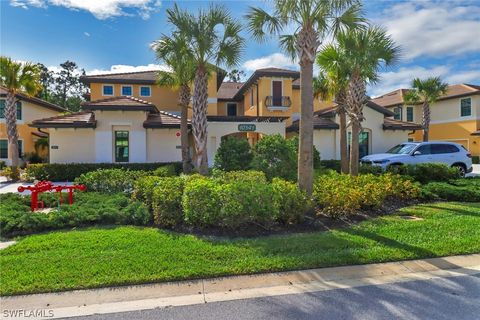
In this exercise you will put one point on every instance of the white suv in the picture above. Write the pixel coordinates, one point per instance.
(449, 153)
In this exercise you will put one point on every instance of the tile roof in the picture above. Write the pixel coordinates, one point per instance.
(453, 91)
(162, 119)
(126, 103)
(246, 118)
(318, 123)
(329, 112)
(476, 133)
(34, 100)
(140, 77)
(72, 120)
(391, 124)
(228, 90)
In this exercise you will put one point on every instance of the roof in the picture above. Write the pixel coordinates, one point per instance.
(34, 100)
(330, 112)
(396, 97)
(245, 119)
(391, 124)
(476, 133)
(265, 72)
(73, 120)
(138, 77)
(228, 90)
(162, 119)
(318, 123)
(125, 103)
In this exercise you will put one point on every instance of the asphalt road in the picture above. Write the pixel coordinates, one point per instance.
(437, 299)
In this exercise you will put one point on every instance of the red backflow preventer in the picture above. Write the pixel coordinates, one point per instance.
(48, 186)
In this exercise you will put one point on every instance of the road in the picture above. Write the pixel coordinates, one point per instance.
(436, 299)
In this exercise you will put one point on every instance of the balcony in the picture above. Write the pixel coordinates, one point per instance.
(280, 103)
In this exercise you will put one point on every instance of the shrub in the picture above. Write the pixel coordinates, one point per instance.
(233, 154)
(110, 180)
(274, 156)
(331, 164)
(467, 189)
(11, 174)
(232, 176)
(143, 189)
(165, 171)
(293, 144)
(70, 171)
(2, 165)
(292, 203)
(89, 209)
(475, 160)
(167, 201)
(427, 172)
(202, 202)
(370, 169)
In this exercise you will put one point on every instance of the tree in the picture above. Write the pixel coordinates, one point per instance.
(213, 38)
(427, 93)
(47, 80)
(16, 77)
(312, 21)
(233, 154)
(360, 54)
(236, 75)
(68, 88)
(174, 51)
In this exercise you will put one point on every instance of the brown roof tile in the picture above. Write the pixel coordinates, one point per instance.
(318, 123)
(329, 112)
(162, 119)
(35, 100)
(391, 124)
(126, 103)
(228, 90)
(140, 77)
(246, 118)
(72, 120)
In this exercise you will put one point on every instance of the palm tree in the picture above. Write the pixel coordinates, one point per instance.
(16, 77)
(360, 54)
(336, 81)
(175, 53)
(213, 37)
(312, 20)
(427, 93)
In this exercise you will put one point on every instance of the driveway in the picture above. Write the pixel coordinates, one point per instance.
(475, 172)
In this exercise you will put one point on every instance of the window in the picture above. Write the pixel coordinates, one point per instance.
(410, 114)
(4, 148)
(121, 146)
(2, 109)
(126, 90)
(108, 90)
(231, 109)
(466, 107)
(363, 143)
(398, 113)
(145, 91)
(277, 93)
(424, 150)
(443, 148)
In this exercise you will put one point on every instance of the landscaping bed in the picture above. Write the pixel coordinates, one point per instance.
(98, 257)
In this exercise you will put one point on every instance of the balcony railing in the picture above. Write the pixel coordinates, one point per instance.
(278, 103)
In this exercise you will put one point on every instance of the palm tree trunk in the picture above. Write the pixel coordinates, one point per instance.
(184, 102)
(12, 133)
(343, 141)
(354, 148)
(199, 119)
(426, 120)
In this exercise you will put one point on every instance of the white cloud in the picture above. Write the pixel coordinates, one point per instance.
(277, 60)
(101, 9)
(121, 68)
(434, 28)
(86, 34)
(469, 76)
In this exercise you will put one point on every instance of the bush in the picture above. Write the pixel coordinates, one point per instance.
(467, 189)
(70, 171)
(233, 154)
(202, 202)
(476, 159)
(167, 201)
(232, 176)
(427, 172)
(2, 165)
(89, 209)
(293, 143)
(165, 171)
(331, 164)
(143, 189)
(274, 156)
(110, 180)
(291, 201)
(370, 169)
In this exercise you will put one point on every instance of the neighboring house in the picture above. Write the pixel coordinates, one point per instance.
(131, 119)
(454, 117)
(28, 109)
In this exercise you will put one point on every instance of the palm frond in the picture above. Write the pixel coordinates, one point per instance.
(260, 24)
(288, 45)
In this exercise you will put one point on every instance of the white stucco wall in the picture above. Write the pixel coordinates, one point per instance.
(326, 143)
(162, 145)
(74, 145)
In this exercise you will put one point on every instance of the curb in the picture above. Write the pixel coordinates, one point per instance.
(181, 293)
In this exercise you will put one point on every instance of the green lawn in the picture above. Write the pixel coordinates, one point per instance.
(97, 257)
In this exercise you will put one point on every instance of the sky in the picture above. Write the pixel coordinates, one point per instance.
(437, 37)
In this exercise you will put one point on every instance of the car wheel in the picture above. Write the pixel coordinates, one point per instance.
(461, 169)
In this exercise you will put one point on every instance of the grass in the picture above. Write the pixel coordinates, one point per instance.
(98, 257)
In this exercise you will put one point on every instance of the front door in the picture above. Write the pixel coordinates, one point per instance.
(122, 152)
(363, 144)
(277, 93)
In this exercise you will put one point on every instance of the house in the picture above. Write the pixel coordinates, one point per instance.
(28, 109)
(129, 118)
(454, 117)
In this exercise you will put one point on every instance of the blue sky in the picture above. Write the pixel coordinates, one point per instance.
(438, 37)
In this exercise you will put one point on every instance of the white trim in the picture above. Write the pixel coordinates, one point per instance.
(277, 108)
(460, 107)
(103, 91)
(140, 91)
(406, 113)
(131, 90)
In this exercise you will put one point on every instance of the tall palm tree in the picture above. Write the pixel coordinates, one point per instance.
(427, 93)
(361, 54)
(213, 38)
(174, 52)
(313, 21)
(336, 78)
(16, 77)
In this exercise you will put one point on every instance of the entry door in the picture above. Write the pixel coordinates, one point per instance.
(363, 144)
(277, 93)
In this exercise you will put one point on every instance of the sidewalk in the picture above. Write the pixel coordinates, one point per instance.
(161, 295)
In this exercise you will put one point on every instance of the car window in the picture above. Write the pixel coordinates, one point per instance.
(443, 148)
(402, 149)
(425, 149)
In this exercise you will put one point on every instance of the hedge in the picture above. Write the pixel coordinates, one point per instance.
(70, 171)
